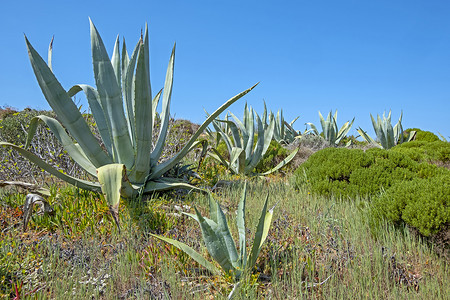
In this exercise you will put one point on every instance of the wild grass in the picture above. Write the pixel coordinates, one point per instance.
(317, 248)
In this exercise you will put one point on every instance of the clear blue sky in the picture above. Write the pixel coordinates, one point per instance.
(359, 57)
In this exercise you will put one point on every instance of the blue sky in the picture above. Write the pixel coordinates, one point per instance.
(358, 57)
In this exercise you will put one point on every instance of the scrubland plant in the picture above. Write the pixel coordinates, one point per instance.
(387, 135)
(219, 241)
(330, 129)
(125, 161)
(239, 137)
(283, 132)
(402, 189)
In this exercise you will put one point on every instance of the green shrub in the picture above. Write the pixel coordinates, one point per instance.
(421, 203)
(422, 135)
(14, 124)
(328, 171)
(423, 151)
(352, 172)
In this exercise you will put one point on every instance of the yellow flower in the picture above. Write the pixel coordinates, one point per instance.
(9, 253)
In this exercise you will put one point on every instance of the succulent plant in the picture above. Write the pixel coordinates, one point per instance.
(387, 135)
(330, 128)
(239, 137)
(219, 242)
(283, 133)
(125, 162)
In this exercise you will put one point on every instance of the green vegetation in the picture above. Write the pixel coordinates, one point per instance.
(130, 166)
(330, 131)
(348, 223)
(387, 136)
(246, 146)
(405, 190)
(219, 242)
(422, 135)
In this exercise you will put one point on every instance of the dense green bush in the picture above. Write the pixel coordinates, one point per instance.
(352, 172)
(423, 151)
(422, 135)
(421, 203)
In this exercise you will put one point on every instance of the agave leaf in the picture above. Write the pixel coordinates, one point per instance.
(227, 140)
(224, 232)
(234, 131)
(242, 126)
(114, 183)
(111, 100)
(250, 131)
(143, 117)
(147, 57)
(155, 102)
(281, 164)
(215, 244)
(189, 251)
(314, 128)
(213, 208)
(165, 166)
(127, 91)
(209, 221)
(261, 234)
(97, 111)
(83, 184)
(234, 158)
(165, 184)
(240, 222)
(115, 62)
(125, 59)
(263, 142)
(50, 54)
(167, 94)
(367, 138)
(344, 130)
(75, 152)
(65, 109)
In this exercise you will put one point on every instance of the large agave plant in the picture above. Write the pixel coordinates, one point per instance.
(219, 242)
(244, 154)
(283, 132)
(387, 135)
(330, 128)
(125, 162)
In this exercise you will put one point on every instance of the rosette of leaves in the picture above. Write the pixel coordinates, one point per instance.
(283, 132)
(387, 136)
(330, 129)
(246, 146)
(125, 162)
(219, 241)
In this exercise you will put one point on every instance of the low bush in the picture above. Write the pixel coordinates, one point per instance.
(422, 135)
(351, 172)
(423, 151)
(421, 203)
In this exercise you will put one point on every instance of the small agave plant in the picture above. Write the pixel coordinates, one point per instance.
(387, 135)
(283, 132)
(330, 129)
(219, 242)
(125, 162)
(239, 137)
